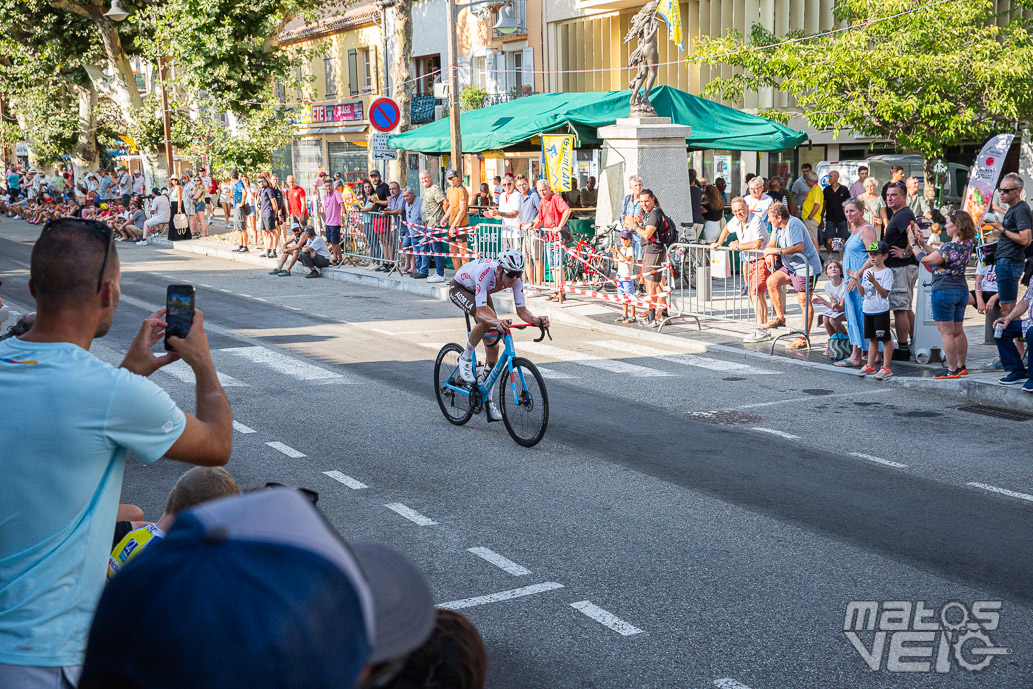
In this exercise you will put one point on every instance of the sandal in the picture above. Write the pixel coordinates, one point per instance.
(798, 343)
(846, 363)
(622, 319)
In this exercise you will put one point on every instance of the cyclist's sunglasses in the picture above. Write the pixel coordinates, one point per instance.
(311, 495)
(516, 275)
(99, 229)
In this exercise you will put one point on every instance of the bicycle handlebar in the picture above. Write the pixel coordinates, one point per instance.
(520, 326)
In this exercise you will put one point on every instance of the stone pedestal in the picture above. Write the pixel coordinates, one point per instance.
(654, 149)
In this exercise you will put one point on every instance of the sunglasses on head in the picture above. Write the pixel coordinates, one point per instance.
(98, 229)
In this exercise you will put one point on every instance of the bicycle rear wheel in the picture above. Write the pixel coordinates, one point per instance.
(455, 406)
(524, 403)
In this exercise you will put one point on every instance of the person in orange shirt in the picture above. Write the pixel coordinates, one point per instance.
(457, 217)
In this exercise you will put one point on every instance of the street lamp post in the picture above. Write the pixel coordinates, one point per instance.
(506, 24)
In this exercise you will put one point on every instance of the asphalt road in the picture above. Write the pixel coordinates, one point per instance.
(688, 521)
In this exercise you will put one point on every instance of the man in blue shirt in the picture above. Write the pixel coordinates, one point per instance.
(529, 201)
(417, 266)
(69, 420)
(13, 189)
(801, 268)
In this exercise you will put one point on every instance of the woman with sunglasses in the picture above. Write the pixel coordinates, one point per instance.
(199, 224)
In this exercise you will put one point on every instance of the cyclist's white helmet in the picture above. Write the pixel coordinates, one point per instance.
(512, 261)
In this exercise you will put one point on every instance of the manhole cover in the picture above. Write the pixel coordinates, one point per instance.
(917, 414)
(997, 412)
(816, 391)
(724, 418)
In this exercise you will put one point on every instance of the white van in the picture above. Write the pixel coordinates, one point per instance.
(879, 168)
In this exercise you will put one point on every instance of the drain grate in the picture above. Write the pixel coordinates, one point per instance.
(996, 412)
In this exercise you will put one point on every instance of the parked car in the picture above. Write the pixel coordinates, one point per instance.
(879, 168)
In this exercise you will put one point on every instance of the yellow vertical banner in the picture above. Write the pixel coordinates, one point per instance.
(670, 12)
(558, 150)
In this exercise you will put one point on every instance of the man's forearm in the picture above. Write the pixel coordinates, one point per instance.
(212, 406)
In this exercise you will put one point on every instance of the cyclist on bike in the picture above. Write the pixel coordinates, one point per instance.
(471, 291)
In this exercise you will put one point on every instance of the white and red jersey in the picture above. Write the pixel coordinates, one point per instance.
(480, 276)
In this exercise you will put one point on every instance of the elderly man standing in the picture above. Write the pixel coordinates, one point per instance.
(918, 204)
(416, 266)
(752, 236)
(631, 218)
(529, 202)
(509, 212)
(758, 202)
(553, 213)
(432, 201)
(800, 269)
(813, 206)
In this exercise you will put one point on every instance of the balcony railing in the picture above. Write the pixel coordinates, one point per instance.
(496, 98)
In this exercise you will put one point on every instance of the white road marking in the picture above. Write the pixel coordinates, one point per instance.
(879, 460)
(288, 366)
(410, 514)
(729, 683)
(607, 619)
(502, 563)
(241, 428)
(634, 349)
(345, 479)
(812, 398)
(611, 365)
(1003, 491)
(181, 370)
(772, 431)
(501, 595)
(553, 374)
(286, 449)
(408, 332)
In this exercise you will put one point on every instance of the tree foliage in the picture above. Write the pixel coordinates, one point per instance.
(934, 78)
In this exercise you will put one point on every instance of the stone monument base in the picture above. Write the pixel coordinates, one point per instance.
(654, 149)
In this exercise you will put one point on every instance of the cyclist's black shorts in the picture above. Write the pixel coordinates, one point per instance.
(464, 299)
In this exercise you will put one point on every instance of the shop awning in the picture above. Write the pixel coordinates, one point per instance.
(516, 122)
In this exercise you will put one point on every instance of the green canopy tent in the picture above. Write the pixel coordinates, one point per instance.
(513, 124)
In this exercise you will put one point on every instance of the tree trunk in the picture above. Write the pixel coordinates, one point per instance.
(401, 87)
(84, 155)
(34, 160)
(930, 182)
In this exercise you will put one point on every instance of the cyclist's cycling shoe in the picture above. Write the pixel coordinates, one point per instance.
(493, 412)
(466, 371)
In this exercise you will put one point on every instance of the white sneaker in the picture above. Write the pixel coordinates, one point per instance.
(436, 278)
(466, 371)
(757, 336)
(493, 412)
(142, 242)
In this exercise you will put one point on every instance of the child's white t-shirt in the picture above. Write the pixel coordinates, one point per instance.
(989, 275)
(834, 293)
(872, 302)
(624, 266)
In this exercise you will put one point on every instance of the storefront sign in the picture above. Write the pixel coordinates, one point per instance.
(319, 114)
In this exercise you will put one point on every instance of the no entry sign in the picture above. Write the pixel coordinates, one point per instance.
(384, 114)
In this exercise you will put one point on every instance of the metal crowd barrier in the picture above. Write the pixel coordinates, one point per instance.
(370, 236)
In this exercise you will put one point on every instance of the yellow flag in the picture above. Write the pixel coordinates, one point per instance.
(558, 150)
(670, 12)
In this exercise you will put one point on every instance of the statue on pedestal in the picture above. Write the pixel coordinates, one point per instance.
(644, 26)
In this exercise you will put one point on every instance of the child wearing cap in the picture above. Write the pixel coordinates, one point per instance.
(625, 257)
(875, 284)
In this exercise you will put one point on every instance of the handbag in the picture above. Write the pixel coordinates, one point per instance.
(839, 347)
(180, 221)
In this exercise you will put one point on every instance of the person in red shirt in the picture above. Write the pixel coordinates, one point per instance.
(553, 213)
(296, 201)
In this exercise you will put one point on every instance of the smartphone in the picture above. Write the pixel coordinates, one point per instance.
(179, 314)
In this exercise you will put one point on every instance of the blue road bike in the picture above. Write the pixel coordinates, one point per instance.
(523, 400)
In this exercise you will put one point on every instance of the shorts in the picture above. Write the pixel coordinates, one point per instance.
(949, 305)
(902, 295)
(464, 299)
(650, 264)
(200, 206)
(877, 327)
(333, 234)
(799, 281)
(986, 297)
(626, 287)
(813, 229)
(1008, 274)
(757, 273)
(268, 224)
(836, 229)
(239, 220)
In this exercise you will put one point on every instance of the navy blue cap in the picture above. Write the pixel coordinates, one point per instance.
(256, 591)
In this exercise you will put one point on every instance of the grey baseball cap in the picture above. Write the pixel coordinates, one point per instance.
(450, 173)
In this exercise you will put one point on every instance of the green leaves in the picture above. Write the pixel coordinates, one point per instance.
(927, 80)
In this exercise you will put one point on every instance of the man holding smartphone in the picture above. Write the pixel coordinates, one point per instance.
(70, 420)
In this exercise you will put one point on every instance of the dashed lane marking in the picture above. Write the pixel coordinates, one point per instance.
(345, 479)
(611, 365)
(241, 428)
(499, 561)
(607, 619)
(410, 514)
(1002, 491)
(878, 460)
(181, 370)
(286, 449)
(729, 683)
(634, 349)
(773, 431)
(501, 596)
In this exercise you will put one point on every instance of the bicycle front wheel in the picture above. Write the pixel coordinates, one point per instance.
(524, 403)
(454, 405)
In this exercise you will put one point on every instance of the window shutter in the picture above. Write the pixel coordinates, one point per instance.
(527, 68)
(353, 71)
(464, 73)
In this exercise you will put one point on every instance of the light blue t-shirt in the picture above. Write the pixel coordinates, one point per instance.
(13, 180)
(68, 420)
(794, 233)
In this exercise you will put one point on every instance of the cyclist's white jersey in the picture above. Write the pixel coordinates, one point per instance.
(480, 277)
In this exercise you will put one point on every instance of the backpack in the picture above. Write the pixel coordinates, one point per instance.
(666, 231)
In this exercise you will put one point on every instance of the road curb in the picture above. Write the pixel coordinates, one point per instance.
(996, 395)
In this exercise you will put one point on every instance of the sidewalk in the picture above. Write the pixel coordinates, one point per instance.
(710, 335)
